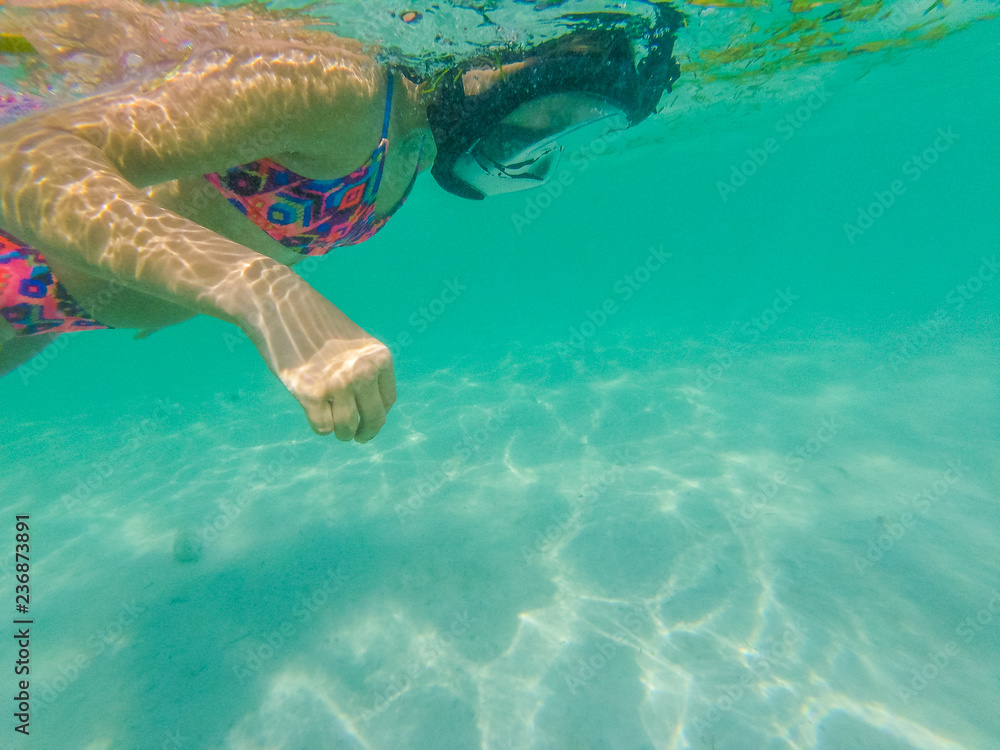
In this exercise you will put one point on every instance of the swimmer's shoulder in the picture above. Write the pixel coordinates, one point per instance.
(232, 105)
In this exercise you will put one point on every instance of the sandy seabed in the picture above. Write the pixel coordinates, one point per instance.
(725, 547)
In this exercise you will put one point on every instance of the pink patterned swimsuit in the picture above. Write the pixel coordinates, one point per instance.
(308, 216)
(31, 299)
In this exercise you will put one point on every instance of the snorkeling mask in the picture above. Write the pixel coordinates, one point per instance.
(519, 154)
(509, 135)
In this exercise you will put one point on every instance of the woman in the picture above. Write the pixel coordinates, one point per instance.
(196, 193)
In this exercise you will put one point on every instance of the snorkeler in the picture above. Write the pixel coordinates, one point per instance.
(195, 193)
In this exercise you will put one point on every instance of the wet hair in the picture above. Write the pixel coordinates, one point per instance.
(596, 61)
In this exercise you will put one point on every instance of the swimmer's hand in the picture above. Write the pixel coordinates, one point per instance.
(347, 388)
(341, 376)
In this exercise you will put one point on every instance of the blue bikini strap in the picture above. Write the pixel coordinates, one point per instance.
(388, 107)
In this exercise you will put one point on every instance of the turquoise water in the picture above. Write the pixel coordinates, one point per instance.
(680, 466)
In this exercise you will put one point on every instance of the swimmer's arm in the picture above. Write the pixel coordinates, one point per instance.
(62, 194)
(229, 108)
(70, 177)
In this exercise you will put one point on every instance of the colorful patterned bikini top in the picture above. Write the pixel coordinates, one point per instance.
(308, 216)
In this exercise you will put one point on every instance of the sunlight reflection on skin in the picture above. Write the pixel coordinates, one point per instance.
(72, 182)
